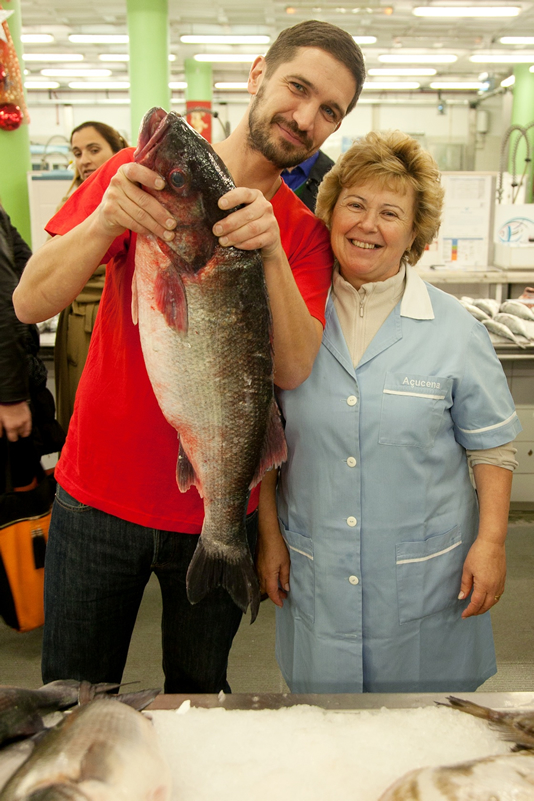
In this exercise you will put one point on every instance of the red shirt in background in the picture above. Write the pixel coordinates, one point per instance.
(121, 453)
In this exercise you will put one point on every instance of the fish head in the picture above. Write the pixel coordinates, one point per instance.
(195, 178)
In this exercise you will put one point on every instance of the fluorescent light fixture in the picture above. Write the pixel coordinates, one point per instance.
(36, 38)
(99, 85)
(520, 40)
(511, 80)
(238, 58)
(52, 57)
(114, 57)
(178, 85)
(466, 11)
(456, 85)
(365, 39)
(418, 58)
(224, 39)
(172, 57)
(405, 71)
(89, 73)
(41, 85)
(98, 38)
(229, 85)
(531, 69)
(503, 58)
(378, 86)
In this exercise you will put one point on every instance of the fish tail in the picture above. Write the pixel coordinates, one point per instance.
(274, 450)
(473, 709)
(208, 570)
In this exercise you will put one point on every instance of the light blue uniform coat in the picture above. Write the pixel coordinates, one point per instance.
(376, 505)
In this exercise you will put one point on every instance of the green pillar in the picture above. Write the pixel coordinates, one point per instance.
(148, 29)
(522, 114)
(15, 159)
(198, 95)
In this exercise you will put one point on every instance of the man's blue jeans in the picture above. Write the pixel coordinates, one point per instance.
(96, 569)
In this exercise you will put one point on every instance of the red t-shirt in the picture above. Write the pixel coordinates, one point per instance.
(121, 453)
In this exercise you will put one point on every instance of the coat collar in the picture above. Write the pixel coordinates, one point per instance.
(416, 301)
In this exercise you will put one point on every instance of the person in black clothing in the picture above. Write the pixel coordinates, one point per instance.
(304, 179)
(27, 409)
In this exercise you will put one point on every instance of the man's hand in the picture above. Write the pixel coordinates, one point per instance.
(251, 227)
(15, 420)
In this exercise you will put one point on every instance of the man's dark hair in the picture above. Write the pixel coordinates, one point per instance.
(324, 36)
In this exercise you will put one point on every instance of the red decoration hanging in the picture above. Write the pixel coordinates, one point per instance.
(10, 116)
(13, 110)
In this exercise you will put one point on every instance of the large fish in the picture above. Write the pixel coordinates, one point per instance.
(205, 329)
(103, 751)
(517, 727)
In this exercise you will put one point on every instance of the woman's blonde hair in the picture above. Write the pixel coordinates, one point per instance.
(397, 161)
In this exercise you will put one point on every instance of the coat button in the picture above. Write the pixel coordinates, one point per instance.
(351, 461)
(352, 400)
(354, 580)
(351, 521)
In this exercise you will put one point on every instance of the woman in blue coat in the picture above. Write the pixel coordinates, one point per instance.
(381, 555)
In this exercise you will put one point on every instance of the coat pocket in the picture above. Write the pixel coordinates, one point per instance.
(412, 409)
(429, 575)
(301, 597)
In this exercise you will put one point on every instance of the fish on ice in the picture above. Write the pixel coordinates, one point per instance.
(102, 751)
(516, 726)
(478, 314)
(205, 329)
(515, 324)
(518, 309)
(501, 330)
(489, 305)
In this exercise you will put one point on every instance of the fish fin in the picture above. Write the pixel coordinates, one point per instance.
(171, 299)
(274, 447)
(209, 570)
(135, 301)
(138, 700)
(185, 473)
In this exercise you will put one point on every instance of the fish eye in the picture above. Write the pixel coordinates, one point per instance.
(177, 179)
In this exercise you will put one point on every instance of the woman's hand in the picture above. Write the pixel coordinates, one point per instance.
(485, 573)
(15, 420)
(251, 227)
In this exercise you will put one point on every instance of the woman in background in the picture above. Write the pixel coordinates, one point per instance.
(93, 143)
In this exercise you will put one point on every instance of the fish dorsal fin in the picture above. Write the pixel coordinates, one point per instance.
(274, 450)
(185, 473)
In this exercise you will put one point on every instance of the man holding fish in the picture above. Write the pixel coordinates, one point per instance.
(119, 513)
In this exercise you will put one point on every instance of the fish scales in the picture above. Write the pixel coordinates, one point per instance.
(205, 330)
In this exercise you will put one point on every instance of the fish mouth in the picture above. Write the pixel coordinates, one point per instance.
(154, 126)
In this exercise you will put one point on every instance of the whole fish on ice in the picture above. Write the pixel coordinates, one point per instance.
(478, 314)
(103, 751)
(519, 309)
(501, 330)
(205, 329)
(515, 324)
(489, 305)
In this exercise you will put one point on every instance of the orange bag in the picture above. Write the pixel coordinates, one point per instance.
(24, 521)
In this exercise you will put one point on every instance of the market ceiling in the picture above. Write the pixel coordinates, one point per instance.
(401, 29)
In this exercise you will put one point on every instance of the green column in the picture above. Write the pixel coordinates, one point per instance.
(15, 159)
(148, 29)
(198, 94)
(522, 114)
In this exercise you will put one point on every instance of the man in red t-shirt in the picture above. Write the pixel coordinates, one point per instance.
(119, 515)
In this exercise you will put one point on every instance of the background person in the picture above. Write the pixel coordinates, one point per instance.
(92, 143)
(304, 179)
(386, 561)
(118, 514)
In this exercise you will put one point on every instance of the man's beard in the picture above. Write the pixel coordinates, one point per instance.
(281, 153)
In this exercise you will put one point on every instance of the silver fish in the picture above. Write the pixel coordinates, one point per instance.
(103, 751)
(508, 777)
(501, 330)
(519, 309)
(478, 314)
(205, 330)
(515, 324)
(490, 306)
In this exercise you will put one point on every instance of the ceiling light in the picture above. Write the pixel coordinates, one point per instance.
(113, 57)
(178, 85)
(225, 57)
(379, 85)
(402, 71)
(98, 38)
(510, 80)
(223, 39)
(231, 85)
(466, 11)
(52, 57)
(524, 40)
(503, 58)
(99, 85)
(364, 39)
(429, 58)
(291, 10)
(456, 85)
(36, 38)
(531, 69)
(41, 85)
(55, 73)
